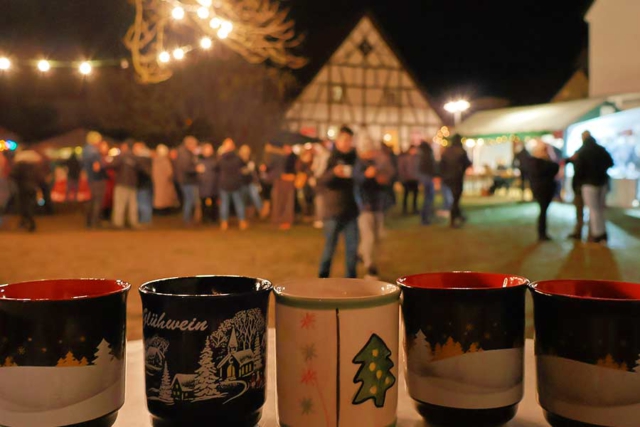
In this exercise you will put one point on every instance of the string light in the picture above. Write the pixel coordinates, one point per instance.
(178, 54)
(85, 68)
(227, 26)
(205, 3)
(164, 57)
(203, 13)
(206, 43)
(44, 65)
(177, 13)
(5, 64)
(215, 23)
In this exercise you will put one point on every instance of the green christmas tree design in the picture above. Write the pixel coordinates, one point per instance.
(374, 373)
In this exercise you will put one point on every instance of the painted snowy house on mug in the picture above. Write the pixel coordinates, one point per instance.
(182, 387)
(236, 364)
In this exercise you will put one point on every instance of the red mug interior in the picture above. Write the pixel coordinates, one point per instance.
(462, 280)
(590, 289)
(61, 290)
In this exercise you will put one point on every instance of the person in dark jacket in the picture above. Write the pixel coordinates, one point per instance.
(187, 169)
(426, 173)
(453, 166)
(145, 183)
(209, 184)
(521, 161)
(230, 166)
(95, 166)
(125, 193)
(591, 169)
(26, 174)
(73, 177)
(373, 176)
(408, 174)
(251, 181)
(341, 209)
(542, 173)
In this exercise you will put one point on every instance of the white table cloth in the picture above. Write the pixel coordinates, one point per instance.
(134, 412)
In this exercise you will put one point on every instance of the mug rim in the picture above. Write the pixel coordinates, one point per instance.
(123, 288)
(535, 289)
(266, 286)
(403, 281)
(390, 293)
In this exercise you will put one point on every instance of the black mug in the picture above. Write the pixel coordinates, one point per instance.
(62, 352)
(464, 341)
(205, 343)
(588, 352)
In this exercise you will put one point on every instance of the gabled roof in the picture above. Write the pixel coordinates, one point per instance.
(320, 65)
(187, 382)
(544, 118)
(242, 357)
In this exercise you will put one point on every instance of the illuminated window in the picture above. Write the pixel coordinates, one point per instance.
(338, 93)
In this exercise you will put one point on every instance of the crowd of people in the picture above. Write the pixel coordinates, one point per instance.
(344, 187)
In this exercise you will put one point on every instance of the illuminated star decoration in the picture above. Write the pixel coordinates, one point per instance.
(308, 321)
(309, 377)
(309, 352)
(307, 406)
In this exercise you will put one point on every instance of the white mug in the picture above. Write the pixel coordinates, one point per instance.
(337, 353)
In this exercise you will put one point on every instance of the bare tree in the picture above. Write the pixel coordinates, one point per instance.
(262, 31)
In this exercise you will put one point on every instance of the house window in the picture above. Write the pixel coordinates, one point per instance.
(391, 97)
(338, 93)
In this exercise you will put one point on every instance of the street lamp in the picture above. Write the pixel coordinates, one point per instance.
(457, 108)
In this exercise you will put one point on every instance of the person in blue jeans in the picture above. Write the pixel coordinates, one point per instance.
(341, 210)
(231, 180)
(187, 170)
(426, 172)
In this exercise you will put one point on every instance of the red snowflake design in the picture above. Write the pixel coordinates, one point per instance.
(309, 377)
(308, 321)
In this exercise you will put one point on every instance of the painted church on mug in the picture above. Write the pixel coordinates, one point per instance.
(366, 85)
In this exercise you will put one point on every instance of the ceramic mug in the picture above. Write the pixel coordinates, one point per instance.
(205, 342)
(337, 353)
(588, 352)
(62, 352)
(464, 345)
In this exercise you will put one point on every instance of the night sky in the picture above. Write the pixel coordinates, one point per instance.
(521, 50)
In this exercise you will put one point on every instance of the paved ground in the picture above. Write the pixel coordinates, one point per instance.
(499, 237)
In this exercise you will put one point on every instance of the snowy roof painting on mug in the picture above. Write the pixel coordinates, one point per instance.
(464, 341)
(588, 352)
(337, 352)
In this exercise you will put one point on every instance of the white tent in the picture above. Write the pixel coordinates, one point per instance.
(536, 119)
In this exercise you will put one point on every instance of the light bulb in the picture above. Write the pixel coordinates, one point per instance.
(164, 57)
(215, 23)
(44, 65)
(85, 68)
(222, 34)
(227, 26)
(206, 43)
(203, 13)
(177, 13)
(205, 3)
(5, 64)
(178, 54)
